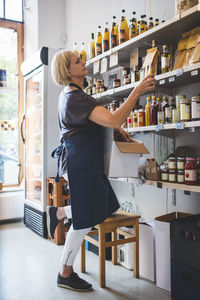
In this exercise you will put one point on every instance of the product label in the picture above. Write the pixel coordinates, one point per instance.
(180, 165)
(165, 176)
(172, 164)
(175, 115)
(113, 41)
(172, 177)
(164, 62)
(122, 35)
(105, 45)
(190, 175)
(98, 49)
(185, 112)
(168, 112)
(161, 117)
(180, 178)
(195, 110)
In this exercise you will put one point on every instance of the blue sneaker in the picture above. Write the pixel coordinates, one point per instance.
(73, 282)
(52, 220)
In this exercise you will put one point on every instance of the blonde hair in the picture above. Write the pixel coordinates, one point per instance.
(60, 67)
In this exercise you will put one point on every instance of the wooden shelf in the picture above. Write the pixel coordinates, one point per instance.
(162, 33)
(177, 186)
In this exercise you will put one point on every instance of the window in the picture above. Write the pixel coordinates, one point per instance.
(11, 10)
(11, 102)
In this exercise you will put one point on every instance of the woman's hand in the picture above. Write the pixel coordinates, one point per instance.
(121, 135)
(146, 85)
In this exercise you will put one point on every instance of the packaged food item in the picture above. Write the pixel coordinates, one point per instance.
(92, 47)
(141, 117)
(185, 107)
(180, 176)
(75, 48)
(182, 5)
(83, 55)
(172, 175)
(153, 113)
(135, 74)
(195, 107)
(130, 120)
(190, 171)
(172, 163)
(135, 118)
(114, 34)
(165, 60)
(151, 25)
(102, 88)
(148, 112)
(99, 41)
(124, 30)
(181, 163)
(175, 115)
(178, 99)
(134, 27)
(116, 83)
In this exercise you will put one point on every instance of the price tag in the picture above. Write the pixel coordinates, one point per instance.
(159, 127)
(96, 65)
(171, 79)
(187, 193)
(159, 185)
(179, 72)
(179, 125)
(194, 73)
(104, 64)
(113, 59)
(162, 81)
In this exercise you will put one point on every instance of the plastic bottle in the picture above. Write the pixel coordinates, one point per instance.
(92, 47)
(153, 114)
(99, 41)
(83, 55)
(148, 112)
(106, 38)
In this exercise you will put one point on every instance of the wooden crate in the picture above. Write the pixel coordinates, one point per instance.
(58, 195)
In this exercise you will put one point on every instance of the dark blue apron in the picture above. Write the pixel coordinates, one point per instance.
(92, 197)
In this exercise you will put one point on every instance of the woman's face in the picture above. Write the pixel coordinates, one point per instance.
(77, 67)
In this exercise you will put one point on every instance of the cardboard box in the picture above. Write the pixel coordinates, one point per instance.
(152, 169)
(162, 241)
(147, 262)
(121, 159)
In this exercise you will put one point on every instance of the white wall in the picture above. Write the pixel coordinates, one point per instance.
(83, 17)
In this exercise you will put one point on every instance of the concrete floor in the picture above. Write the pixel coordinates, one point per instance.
(29, 265)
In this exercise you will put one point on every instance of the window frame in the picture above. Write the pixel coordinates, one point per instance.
(19, 27)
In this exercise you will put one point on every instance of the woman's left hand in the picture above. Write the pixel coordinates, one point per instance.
(122, 135)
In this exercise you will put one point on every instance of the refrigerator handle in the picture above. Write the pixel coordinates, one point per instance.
(21, 129)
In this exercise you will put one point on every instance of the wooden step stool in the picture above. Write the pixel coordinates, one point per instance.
(112, 224)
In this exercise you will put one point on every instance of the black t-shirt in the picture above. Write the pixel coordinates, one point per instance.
(73, 110)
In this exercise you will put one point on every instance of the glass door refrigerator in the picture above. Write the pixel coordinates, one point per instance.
(40, 134)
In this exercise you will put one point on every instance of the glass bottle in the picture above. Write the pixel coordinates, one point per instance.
(165, 59)
(114, 34)
(134, 26)
(151, 25)
(83, 52)
(148, 112)
(158, 104)
(99, 41)
(190, 171)
(75, 48)
(157, 22)
(124, 30)
(165, 108)
(106, 38)
(92, 47)
(153, 114)
(142, 24)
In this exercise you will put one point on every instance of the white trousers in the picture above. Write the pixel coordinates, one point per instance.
(73, 241)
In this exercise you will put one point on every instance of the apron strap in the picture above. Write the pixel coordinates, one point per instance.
(57, 154)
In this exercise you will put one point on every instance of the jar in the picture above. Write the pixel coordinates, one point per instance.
(198, 170)
(116, 83)
(102, 88)
(172, 163)
(190, 171)
(181, 163)
(113, 107)
(180, 176)
(97, 90)
(140, 117)
(98, 83)
(125, 71)
(160, 117)
(195, 109)
(164, 175)
(178, 99)
(172, 175)
(135, 118)
(126, 79)
(175, 115)
(185, 106)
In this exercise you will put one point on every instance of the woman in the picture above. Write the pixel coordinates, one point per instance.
(81, 120)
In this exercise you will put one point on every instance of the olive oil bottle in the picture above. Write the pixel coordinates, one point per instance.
(151, 25)
(114, 34)
(143, 27)
(83, 52)
(134, 27)
(75, 48)
(165, 60)
(99, 41)
(148, 112)
(124, 30)
(92, 47)
(106, 38)
(157, 22)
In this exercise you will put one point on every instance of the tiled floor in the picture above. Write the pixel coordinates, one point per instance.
(29, 265)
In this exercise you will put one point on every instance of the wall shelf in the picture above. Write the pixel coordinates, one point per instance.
(177, 186)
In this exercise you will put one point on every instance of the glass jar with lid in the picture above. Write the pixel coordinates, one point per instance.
(195, 108)
(172, 175)
(185, 109)
(180, 176)
(164, 175)
(181, 163)
(172, 163)
(190, 171)
(116, 83)
(178, 99)
(140, 117)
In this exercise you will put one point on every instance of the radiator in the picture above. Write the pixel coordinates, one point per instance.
(35, 220)
(11, 205)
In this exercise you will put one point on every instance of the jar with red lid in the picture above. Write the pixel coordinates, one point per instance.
(190, 171)
(198, 170)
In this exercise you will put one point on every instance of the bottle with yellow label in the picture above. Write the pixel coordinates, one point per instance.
(75, 48)
(148, 112)
(92, 47)
(151, 25)
(99, 41)
(83, 52)
(106, 38)
(124, 30)
(114, 34)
